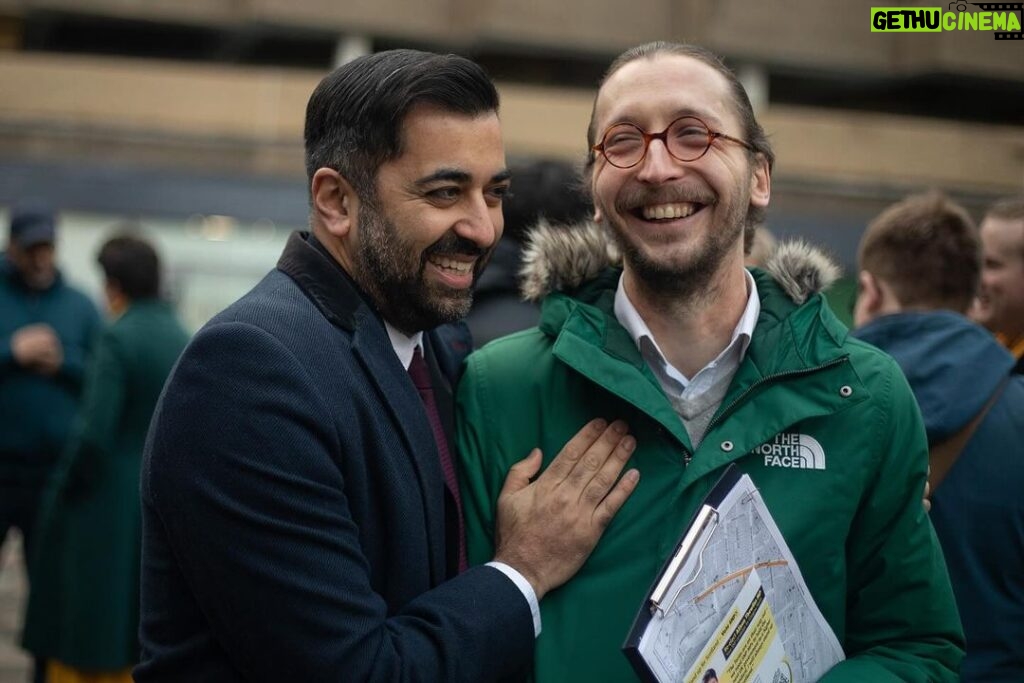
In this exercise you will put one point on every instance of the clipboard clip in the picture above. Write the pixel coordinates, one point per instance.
(707, 517)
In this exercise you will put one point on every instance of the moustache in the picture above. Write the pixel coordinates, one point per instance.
(635, 197)
(451, 244)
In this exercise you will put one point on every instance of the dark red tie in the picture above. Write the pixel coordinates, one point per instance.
(421, 379)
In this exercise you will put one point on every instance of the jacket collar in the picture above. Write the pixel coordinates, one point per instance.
(789, 342)
(322, 278)
(563, 257)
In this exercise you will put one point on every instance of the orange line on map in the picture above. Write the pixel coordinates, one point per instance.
(738, 574)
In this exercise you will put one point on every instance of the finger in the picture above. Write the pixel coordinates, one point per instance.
(520, 474)
(574, 449)
(597, 455)
(598, 486)
(613, 502)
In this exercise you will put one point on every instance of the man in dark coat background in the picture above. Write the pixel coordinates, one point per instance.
(301, 513)
(46, 331)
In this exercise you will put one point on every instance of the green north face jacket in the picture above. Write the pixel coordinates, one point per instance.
(851, 515)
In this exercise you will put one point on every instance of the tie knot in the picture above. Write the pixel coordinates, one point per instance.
(418, 370)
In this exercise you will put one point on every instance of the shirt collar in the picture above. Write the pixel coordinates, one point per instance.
(630, 319)
(403, 345)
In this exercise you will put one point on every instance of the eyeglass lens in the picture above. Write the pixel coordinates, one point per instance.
(687, 139)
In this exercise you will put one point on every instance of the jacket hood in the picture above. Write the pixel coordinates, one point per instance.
(952, 365)
(562, 257)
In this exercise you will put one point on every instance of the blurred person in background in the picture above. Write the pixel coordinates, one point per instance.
(542, 191)
(758, 244)
(919, 270)
(46, 330)
(1000, 304)
(83, 609)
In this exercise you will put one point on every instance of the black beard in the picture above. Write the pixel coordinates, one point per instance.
(396, 284)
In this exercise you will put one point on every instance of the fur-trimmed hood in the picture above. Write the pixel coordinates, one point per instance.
(558, 257)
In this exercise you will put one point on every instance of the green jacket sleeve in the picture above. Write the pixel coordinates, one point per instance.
(902, 623)
(99, 415)
(76, 357)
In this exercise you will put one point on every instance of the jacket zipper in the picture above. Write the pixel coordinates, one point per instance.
(688, 456)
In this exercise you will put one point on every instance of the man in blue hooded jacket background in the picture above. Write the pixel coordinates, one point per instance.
(920, 263)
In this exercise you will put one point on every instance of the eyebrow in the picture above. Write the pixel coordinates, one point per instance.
(679, 113)
(458, 176)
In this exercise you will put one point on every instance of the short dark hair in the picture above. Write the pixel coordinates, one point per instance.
(926, 247)
(132, 264)
(752, 132)
(355, 115)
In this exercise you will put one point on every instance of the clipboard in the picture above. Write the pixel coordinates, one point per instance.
(694, 540)
(666, 636)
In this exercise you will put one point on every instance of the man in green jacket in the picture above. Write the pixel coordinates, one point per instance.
(709, 364)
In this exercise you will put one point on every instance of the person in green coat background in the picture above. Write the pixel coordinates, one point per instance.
(83, 610)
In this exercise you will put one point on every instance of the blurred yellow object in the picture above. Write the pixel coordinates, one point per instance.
(1015, 345)
(59, 673)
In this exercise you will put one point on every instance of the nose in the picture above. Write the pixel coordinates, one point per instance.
(658, 165)
(482, 223)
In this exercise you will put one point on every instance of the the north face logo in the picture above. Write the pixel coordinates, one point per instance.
(799, 451)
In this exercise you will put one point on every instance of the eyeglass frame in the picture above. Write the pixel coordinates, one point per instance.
(663, 136)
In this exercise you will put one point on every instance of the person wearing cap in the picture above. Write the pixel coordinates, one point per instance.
(46, 330)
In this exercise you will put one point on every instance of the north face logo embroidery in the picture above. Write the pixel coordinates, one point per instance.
(797, 451)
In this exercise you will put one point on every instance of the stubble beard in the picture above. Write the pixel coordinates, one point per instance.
(688, 278)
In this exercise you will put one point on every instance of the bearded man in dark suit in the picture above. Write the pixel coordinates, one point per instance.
(301, 507)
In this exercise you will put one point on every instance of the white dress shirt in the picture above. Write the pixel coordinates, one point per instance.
(694, 399)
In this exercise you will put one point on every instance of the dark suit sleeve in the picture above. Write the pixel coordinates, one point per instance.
(243, 478)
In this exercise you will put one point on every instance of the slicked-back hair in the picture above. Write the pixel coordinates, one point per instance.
(132, 264)
(752, 132)
(927, 249)
(354, 117)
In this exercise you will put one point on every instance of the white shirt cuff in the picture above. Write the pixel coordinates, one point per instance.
(525, 588)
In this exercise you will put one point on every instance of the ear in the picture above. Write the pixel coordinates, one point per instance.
(335, 202)
(870, 299)
(760, 182)
(597, 215)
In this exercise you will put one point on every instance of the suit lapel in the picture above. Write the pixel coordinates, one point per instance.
(371, 346)
(444, 394)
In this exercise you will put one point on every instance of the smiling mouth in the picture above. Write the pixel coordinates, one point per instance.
(667, 212)
(452, 266)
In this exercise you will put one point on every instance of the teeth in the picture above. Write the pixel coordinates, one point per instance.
(663, 211)
(460, 267)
